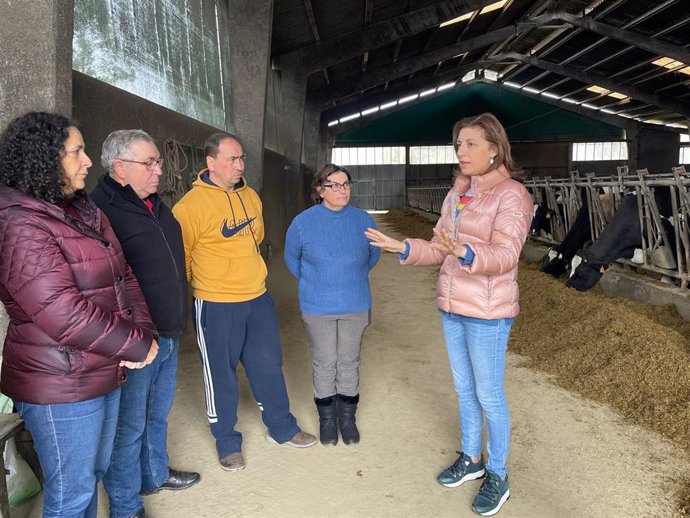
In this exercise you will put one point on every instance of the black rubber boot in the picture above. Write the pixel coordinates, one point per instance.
(328, 420)
(347, 408)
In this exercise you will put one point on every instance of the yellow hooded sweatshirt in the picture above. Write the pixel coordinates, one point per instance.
(222, 230)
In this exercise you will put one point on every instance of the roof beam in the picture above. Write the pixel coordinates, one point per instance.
(337, 50)
(326, 96)
(631, 38)
(660, 101)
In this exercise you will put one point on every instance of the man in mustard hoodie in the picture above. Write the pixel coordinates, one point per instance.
(235, 318)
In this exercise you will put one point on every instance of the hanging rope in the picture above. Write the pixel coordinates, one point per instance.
(176, 162)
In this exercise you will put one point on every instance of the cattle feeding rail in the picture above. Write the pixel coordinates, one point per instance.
(663, 208)
(428, 199)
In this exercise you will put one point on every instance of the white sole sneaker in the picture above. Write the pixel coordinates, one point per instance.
(271, 440)
(466, 478)
(502, 501)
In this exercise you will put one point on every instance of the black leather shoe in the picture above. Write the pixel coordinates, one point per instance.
(141, 513)
(176, 481)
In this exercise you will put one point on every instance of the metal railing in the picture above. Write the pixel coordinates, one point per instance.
(429, 199)
(603, 196)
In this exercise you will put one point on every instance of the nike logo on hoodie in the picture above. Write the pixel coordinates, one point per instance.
(231, 231)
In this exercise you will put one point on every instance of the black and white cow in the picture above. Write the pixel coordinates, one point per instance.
(542, 219)
(559, 256)
(619, 239)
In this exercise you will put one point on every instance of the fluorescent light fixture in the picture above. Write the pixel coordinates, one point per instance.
(512, 85)
(672, 64)
(491, 75)
(469, 76)
(676, 125)
(569, 101)
(654, 121)
(332, 123)
(407, 99)
(445, 87)
(388, 105)
(427, 92)
(590, 106)
(603, 91)
(552, 96)
(530, 90)
(350, 117)
(370, 110)
(610, 112)
(625, 115)
(458, 19)
(493, 7)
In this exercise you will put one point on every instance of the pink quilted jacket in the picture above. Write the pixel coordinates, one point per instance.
(494, 224)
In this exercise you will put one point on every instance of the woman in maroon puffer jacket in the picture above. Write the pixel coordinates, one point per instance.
(78, 318)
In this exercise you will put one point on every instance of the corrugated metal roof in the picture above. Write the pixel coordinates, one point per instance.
(358, 51)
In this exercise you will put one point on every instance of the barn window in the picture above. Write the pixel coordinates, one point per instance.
(432, 155)
(684, 157)
(368, 155)
(599, 151)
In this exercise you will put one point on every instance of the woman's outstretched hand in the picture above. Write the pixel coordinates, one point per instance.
(447, 244)
(381, 240)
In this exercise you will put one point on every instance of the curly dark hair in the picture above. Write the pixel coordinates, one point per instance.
(30, 152)
(320, 178)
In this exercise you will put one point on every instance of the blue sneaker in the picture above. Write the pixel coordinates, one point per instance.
(462, 470)
(492, 495)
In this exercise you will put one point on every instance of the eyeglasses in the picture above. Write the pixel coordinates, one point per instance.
(337, 186)
(149, 164)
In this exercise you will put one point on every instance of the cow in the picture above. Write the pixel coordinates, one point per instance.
(558, 257)
(542, 218)
(620, 239)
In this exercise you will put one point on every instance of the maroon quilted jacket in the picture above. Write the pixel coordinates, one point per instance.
(75, 307)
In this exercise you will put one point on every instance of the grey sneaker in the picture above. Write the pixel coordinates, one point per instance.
(233, 462)
(462, 470)
(492, 495)
(300, 440)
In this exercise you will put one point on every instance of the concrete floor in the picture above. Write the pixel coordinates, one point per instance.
(570, 458)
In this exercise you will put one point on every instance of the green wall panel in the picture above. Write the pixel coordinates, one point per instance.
(525, 119)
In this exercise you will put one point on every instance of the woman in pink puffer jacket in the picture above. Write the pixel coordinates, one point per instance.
(484, 223)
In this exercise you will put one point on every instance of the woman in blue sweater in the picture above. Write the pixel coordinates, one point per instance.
(326, 250)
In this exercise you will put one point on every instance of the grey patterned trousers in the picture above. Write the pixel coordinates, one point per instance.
(336, 343)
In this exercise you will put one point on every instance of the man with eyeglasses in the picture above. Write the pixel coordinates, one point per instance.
(235, 319)
(152, 243)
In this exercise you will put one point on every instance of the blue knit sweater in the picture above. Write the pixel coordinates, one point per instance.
(329, 255)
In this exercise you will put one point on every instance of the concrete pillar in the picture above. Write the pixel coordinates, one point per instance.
(35, 57)
(324, 149)
(36, 64)
(249, 29)
(293, 89)
(633, 137)
(310, 144)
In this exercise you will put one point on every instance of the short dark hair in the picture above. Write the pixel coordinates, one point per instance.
(30, 151)
(322, 175)
(212, 143)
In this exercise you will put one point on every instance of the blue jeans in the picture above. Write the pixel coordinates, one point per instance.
(477, 355)
(140, 456)
(74, 442)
